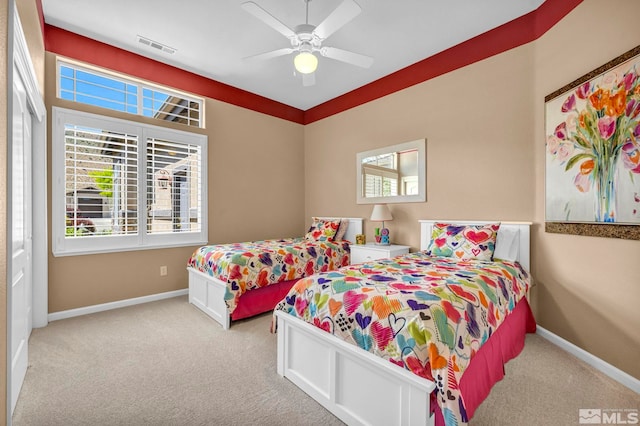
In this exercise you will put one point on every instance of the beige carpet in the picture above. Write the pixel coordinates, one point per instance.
(166, 363)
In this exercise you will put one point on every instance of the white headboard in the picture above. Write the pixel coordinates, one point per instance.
(355, 226)
(521, 230)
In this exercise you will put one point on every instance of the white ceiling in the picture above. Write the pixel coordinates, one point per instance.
(211, 37)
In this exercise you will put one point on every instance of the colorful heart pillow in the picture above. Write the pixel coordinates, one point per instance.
(323, 229)
(464, 242)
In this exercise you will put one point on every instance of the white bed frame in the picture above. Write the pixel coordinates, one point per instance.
(356, 386)
(207, 292)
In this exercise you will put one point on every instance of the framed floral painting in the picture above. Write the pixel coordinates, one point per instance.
(592, 129)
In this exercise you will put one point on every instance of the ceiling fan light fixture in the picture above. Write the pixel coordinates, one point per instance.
(306, 39)
(305, 62)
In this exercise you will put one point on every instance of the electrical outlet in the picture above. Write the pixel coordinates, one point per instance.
(163, 271)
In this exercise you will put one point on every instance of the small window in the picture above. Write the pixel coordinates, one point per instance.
(121, 185)
(380, 175)
(120, 93)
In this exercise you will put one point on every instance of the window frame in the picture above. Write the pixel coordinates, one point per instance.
(140, 85)
(142, 240)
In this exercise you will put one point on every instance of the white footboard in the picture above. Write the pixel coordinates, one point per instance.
(356, 386)
(207, 293)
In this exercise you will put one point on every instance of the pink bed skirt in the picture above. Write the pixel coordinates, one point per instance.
(487, 366)
(260, 300)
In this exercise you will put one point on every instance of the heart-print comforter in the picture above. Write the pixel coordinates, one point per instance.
(245, 266)
(427, 314)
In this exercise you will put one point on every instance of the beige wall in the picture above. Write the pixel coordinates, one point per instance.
(30, 21)
(4, 47)
(255, 191)
(485, 161)
(588, 288)
(477, 158)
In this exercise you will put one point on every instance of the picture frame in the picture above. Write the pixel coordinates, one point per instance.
(592, 152)
(392, 174)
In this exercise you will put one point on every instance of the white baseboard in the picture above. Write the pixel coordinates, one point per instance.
(597, 363)
(115, 305)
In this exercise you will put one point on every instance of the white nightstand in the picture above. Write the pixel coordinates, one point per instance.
(365, 252)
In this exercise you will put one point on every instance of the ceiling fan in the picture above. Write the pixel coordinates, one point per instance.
(306, 39)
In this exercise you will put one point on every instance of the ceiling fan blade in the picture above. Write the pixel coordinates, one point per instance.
(346, 56)
(345, 12)
(309, 79)
(268, 19)
(270, 55)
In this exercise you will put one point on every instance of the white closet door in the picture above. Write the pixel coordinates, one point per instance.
(21, 238)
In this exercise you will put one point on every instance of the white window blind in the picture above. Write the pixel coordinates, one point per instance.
(173, 186)
(380, 176)
(117, 92)
(121, 185)
(379, 186)
(100, 181)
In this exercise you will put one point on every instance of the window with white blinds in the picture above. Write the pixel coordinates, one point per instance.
(121, 185)
(106, 89)
(100, 182)
(376, 185)
(173, 186)
(380, 176)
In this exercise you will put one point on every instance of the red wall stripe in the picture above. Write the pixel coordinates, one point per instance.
(78, 47)
(520, 31)
(508, 36)
(551, 12)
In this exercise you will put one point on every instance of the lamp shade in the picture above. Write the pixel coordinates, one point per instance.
(381, 213)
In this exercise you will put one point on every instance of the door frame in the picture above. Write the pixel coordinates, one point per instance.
(21, 59)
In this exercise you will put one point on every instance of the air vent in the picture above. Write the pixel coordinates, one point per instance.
(156, 45)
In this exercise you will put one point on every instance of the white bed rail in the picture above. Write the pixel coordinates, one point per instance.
(356, 386)
(207, 294)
